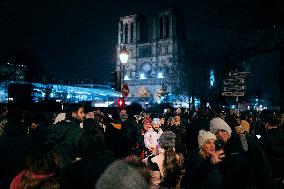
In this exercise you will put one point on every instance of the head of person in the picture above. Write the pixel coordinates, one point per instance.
(156, 123)
(129, 172)
(176, 120)
(221, 129)
(178, 111)
(167, 140)
(76, 111)
(271, 121)
(42, 168)
(206, 141)
(147, 125)
(123, 115)
(162, 119)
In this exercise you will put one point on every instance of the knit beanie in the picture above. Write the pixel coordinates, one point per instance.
(205, 135)
(167, 139)
(217, 124)
(156, 121)
(120, 175)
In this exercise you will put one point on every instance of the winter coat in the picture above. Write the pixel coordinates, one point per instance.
(242, 168)
(130, 130)
(66, 136)
(151, 138)
(85, 172)
(273, 145)
(14, 147)
(200, 173)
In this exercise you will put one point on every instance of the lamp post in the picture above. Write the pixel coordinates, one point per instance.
(123, 56)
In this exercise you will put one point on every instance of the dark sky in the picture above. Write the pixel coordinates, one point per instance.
(76, 39)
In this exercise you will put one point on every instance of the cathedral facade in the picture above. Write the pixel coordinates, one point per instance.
(156, 47)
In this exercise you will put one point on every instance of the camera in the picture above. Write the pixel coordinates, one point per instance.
(219, 144)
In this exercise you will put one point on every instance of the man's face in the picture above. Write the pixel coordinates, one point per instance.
(80, 115)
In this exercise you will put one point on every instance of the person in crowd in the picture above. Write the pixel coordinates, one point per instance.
(67, 134)
(127, 173)
(113, 132)
(123, 115)
(199, 122)
(167, 168)
(272, 142)
(244, 127)
(203, 165)
(41, 171)
(162, 122)
(95, 157)
(130, 130)
(243, 157)
(141, 149)
(15, 144)
(152, 136)
(180, 131)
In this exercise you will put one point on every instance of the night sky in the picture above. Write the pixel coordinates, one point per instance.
(76, 39)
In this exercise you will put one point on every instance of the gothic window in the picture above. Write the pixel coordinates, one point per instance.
(167, 26)
(126, 33)
(131, 32)
(161, 28)
(121, 32)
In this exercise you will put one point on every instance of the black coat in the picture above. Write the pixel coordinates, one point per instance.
(273, 145)
(14, 147)
(243, 169)
(65, 137)
(200, 173)
(85, 172)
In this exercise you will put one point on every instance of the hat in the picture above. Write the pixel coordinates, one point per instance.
(217, 124)
(121, 175)
(205, 135)
(167, 139)
(156, 121)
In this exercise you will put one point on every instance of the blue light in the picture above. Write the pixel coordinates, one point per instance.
(160, 75)
(126, 78)
(142, 76)
(212, 78)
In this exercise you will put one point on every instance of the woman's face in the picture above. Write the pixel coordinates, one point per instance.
(222, 135)
(208, 147)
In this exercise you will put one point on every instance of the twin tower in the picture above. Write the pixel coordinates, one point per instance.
(156, 47)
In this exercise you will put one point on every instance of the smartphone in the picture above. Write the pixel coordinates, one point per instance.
(219, 144)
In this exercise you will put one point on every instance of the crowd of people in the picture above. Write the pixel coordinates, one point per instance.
(125, 148)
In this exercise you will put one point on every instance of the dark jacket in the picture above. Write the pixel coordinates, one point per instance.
(242, 168)
(65, 136)
(129, 134)
(273, 145)
(85, 172)
(200, 173)
(14, 147)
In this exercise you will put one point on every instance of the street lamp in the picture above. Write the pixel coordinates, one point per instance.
(123, 56)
